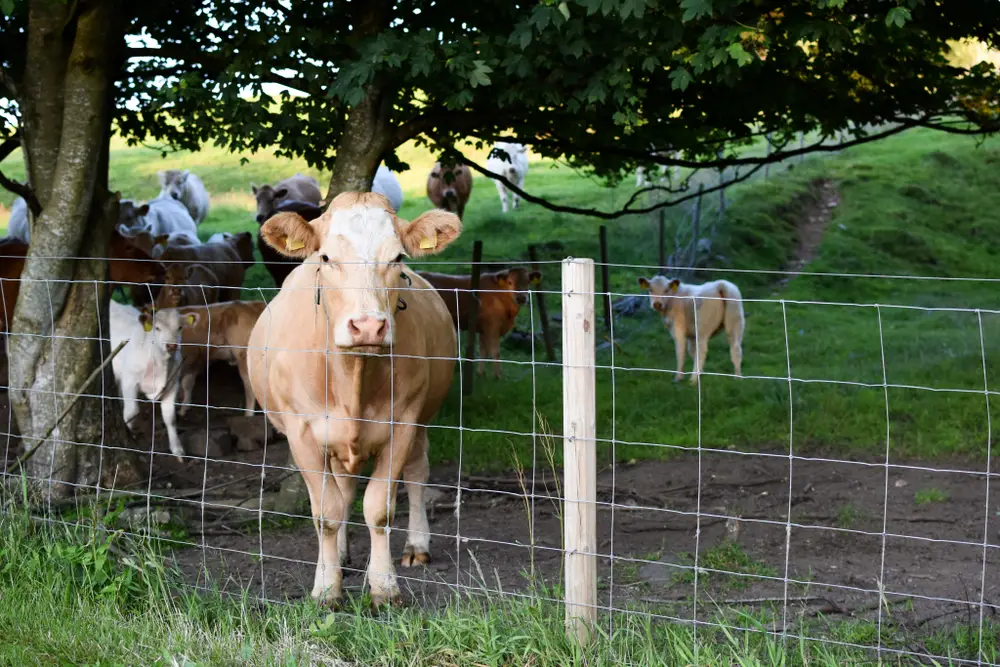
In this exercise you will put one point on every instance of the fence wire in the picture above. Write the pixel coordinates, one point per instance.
(717, 509)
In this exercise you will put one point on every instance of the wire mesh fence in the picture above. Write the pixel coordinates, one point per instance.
(801, 490)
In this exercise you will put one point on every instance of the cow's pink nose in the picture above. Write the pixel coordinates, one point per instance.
(368, 330)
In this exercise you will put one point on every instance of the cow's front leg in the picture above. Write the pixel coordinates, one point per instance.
(701, 347)
(502, 191)
(415, 474)
(347, 485)
(328, 513)
(168, 408)
(680, 342)
(380, 504)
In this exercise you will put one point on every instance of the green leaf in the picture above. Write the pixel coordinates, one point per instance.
(6, 7)
(563, 9)
(739, 54)
(695, 9)
(898, 16)
(479, 76)
(650, 63)
(680, 79)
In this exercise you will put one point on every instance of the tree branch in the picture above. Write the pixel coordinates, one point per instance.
(609, 215)
(22, 190)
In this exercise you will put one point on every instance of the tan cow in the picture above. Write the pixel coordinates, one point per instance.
(348, 372)
(450, 188)
(221, 333)
(695, 313)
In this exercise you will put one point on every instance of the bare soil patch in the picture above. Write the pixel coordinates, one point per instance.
(838, 530)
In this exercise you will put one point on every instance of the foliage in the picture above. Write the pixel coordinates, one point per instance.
(598, 83)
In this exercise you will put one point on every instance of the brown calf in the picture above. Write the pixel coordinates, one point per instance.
(227, 259)
(190, 285)
(127, 264)
(501, 296)
(450, 188)
(221, 333)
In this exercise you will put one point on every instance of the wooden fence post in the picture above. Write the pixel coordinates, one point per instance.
(543, 311)
(579, 447)
(605, 289)
(468, 371)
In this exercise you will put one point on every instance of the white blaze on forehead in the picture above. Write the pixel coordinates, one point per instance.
(366, 229)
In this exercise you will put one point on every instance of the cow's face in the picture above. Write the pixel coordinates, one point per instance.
(660, 290)
(449, 190)
(356, 250)
(268, 199)
(165, 327)
(521, 281)
(130, 217)
(131, 263)
(174, 183)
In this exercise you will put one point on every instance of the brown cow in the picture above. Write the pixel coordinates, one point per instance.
(298, 188)
(221, 333)
(343, 369)
(450, 188)
(188, 285)
(127, 265)
(500, 298)
(228, 259)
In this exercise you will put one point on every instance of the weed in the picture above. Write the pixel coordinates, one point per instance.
(930, 495)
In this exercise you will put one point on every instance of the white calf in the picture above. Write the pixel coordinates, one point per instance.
(17, 226)
(514, 169)
(185, 187)
(695, 313)
(160, 217)
(148, 361)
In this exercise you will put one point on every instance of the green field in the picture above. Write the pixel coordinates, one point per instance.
(922, 204)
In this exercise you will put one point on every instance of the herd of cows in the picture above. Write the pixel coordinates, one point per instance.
(317, 357)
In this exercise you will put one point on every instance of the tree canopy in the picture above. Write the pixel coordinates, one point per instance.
(606, 85)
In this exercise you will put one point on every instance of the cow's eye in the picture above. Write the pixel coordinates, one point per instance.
(325, 258)
(399, 259)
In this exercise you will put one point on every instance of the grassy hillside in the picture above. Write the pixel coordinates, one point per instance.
(922, 204)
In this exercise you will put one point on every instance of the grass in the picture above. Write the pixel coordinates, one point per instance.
(726, 561)
(931, 495)
(56, 580)
(920, 204)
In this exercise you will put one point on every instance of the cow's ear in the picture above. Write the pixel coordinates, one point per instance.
(429, 233)
(189, 319)
(162, 176)
(290, 234)
(146, 319)
(674, 284)
(644, 283)
(142, 210)
(535, 277)
(280, 192)
(253, 189)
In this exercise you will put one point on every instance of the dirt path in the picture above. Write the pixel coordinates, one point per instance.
(813, 223)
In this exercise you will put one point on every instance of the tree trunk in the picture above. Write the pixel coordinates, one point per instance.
(61, 312)
(365, 139)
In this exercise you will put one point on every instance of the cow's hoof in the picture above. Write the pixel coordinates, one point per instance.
(678, 377)
(383, 600)
(413, 559)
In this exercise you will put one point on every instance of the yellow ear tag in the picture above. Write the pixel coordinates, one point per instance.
(190, 319)
(428, 242)
(148, 326)
(292, 244)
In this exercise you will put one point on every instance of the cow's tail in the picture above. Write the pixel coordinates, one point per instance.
(733, 321)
